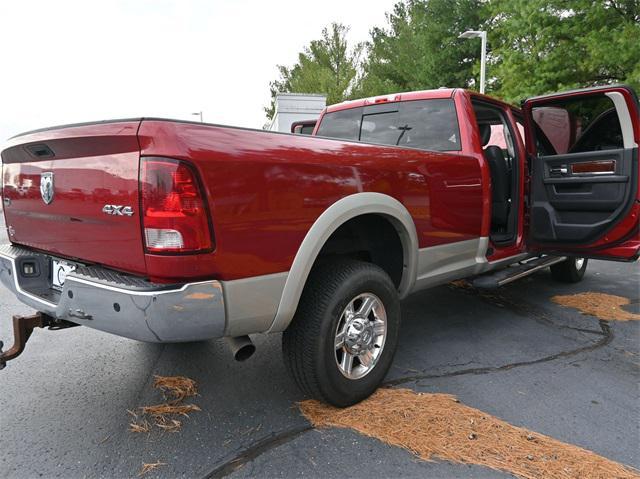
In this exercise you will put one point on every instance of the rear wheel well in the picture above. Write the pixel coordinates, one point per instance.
(370, 237)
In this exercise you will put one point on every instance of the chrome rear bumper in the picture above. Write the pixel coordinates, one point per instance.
(120, 304)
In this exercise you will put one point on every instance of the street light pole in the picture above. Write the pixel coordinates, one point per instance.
(483, 61)
(483, 54)
(198, 113)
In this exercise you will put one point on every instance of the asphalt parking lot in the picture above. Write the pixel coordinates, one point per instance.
(515, 355)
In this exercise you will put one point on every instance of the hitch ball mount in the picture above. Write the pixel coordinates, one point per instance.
(23, 326)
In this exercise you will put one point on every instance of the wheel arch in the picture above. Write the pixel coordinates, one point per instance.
(323, 228)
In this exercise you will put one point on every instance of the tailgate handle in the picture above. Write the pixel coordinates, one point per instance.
(40, 151)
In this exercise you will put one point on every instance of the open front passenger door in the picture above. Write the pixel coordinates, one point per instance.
(583, 154)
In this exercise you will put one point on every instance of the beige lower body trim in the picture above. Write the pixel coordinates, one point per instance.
(443, 263)
(252, 303)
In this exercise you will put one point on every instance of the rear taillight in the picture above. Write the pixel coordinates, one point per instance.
(174, 214)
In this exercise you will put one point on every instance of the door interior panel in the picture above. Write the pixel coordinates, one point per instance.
(581, 195)
(584, 178)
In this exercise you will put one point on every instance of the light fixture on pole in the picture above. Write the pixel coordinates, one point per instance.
(483, 55)
(198, 113)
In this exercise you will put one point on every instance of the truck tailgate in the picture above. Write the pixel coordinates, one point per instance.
(60, 187)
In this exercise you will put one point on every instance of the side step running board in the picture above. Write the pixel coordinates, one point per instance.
(513, 273)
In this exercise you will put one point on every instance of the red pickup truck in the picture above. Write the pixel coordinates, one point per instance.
(173, 231)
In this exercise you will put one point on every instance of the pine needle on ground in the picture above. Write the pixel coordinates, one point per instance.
(148, 467)
(168, 425)
(176, 388)
(167, 409)
(439, 426)
(137, 427)
(601, 305)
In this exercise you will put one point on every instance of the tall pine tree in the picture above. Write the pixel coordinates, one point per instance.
(326, 66)
(540, 46)
(420, 49)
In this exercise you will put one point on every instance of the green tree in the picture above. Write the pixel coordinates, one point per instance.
(326, 66)
(535, 47)
(539, 46)
(420, 49)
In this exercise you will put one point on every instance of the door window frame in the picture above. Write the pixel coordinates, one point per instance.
(617, 241)
(508, 117)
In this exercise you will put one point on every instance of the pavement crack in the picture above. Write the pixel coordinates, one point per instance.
(518, 306)
(607, 337)
(524, 309)
(258, 448)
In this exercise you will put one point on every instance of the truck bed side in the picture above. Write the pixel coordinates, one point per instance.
(266, 190)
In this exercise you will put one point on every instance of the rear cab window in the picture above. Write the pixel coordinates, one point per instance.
(423, 124)
(342, 124)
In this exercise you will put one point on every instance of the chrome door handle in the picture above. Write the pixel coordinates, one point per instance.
(558, 170)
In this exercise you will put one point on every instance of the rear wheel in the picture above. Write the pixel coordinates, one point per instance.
(569, 271)
(342, 339)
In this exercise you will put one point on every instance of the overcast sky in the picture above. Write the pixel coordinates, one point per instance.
(68, 61)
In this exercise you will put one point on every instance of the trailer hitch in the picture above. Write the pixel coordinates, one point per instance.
(23, 326)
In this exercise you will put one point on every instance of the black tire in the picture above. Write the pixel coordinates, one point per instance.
(568, 271)
(308, 343)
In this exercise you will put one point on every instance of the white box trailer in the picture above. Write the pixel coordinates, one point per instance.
(293, 107)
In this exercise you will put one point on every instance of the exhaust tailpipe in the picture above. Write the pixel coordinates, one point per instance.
(241, 347)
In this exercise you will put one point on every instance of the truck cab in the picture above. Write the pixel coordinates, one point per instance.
(560, 174)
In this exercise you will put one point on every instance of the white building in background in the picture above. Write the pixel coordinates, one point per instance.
(292, 107)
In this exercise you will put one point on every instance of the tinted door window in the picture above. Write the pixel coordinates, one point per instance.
(578, 125)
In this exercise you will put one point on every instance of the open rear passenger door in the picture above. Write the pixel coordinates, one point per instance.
(583, 154)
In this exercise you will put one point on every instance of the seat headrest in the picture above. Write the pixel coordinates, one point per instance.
(492, 152)
(485, 134)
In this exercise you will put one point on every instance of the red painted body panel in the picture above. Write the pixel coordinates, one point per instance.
(472, 146)
(266, 190)
(93, 165)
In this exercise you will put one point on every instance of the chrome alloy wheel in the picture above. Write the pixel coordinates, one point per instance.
(360, 336)
(579, 263)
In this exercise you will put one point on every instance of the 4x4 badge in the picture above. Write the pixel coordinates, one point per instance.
(118, 210)
(46, 187)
